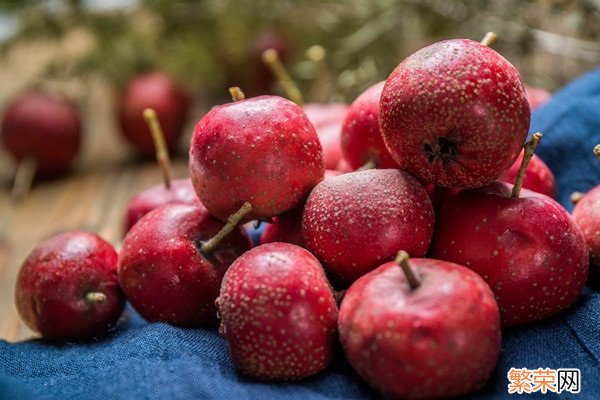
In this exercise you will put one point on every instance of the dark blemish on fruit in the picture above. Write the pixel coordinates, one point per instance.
(442, 149)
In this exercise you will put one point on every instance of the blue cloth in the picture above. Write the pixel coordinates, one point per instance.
(157, 361)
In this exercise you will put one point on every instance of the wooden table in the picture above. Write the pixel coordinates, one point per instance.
(92, 197)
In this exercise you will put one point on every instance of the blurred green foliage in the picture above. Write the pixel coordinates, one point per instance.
(211, 44)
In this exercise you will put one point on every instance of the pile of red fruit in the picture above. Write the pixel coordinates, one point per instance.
(42, 131)
(447, 125)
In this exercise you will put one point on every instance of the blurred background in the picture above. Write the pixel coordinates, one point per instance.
(89, 49)
(98, 53)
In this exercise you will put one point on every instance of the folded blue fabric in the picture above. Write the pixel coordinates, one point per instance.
(157, 361)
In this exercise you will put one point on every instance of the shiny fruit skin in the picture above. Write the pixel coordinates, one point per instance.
(164, 274)
(361, 137)
(454, 113)
(180, 192)
(538, 176)
(528, 249)
(55, 279)
(586, 215)
(46, 127)
(439, 340)
(327, 119)
(356, 221)
(287, 227)
(261, 150)
(159, 91)
(278, 313)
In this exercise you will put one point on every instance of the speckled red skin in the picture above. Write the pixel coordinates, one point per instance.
(278, 313)
(537, 96)
(162, 271)
(356, 221)
(529, 250)
(437, 341)
(261, 150)
(327, 119)
(43, 126)
(53, 282)
(287, 227)
(538, 176)
(361, 138)
(180, 192)
(454, 113)
(159, 91)
(587, 216)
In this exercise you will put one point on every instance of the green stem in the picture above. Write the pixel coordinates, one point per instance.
(24, 176)
(489, 38)
(411, 276)
(236, 93)
(162, 151)
(576, 196)
(233, 221)
(271, 59)
(529, 147)
(95, 297)
(371, 164)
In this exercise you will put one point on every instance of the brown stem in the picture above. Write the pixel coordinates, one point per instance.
(236, 93)
(24, 176)
(321, 89)
(529, 150)
(597, 150)
(576, 196)
(271, 59)
(162, 152)
(489, 38)
(233, 221)
(411, 276)
(95, 297)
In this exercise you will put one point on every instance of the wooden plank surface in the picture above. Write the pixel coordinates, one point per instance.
(91, 197)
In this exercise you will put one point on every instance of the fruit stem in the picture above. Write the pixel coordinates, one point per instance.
(236, 93)
(271, 59)
(24, 175)
(95, 297)
(233, 221)
(411, 276)
(162, 152)
(371, 164)
(322, 83)
(597, 150)
(576, 196)
(529, 150)
(489, 38)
